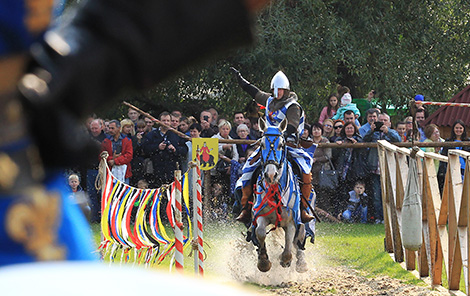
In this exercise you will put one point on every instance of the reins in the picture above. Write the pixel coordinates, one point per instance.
(272, 199)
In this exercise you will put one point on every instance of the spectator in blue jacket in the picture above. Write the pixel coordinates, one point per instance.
(375, 133)
(356, 211)
(372, 116)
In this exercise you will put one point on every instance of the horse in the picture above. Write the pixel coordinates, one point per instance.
(277, 200)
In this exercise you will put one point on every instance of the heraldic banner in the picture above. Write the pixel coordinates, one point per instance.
(208, 151)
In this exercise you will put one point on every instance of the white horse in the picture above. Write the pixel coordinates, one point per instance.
(277, 200)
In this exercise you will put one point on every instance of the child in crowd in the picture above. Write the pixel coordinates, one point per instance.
(74, 183)
(78, 196)
(346, 104)
(142, 184)
(356, 210)
(401, 129)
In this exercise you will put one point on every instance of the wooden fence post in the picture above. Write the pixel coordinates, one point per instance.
(446, 217)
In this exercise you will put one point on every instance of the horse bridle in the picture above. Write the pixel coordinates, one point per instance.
(275, 161)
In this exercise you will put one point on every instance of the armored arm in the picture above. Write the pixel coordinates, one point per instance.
(257, 94)
(244, 84)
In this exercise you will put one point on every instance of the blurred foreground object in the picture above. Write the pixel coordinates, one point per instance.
(66, 278)
(105, 47)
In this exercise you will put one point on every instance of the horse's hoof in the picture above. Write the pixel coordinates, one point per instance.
(301, 267)
(286, 259)
(264, 265)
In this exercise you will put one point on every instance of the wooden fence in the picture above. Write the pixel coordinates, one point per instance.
(445, 216)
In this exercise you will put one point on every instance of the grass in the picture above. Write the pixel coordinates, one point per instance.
(361, 247)
(215, 235)
(356, 246)
(445, 282)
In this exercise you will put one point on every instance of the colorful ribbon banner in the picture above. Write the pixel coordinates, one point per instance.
(131, 219)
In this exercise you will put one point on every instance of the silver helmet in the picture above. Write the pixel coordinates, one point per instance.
(279, 81)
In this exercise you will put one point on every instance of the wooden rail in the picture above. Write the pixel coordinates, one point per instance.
(445, 218)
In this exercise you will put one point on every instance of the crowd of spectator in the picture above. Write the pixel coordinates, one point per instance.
(141, 152)
(359, 167)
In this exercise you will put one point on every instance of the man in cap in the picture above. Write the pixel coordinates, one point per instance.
(280, 104)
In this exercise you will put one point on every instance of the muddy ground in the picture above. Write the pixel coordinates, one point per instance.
(343, 281)
(322, 278)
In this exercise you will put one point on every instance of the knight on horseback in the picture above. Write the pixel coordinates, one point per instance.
(280, 104)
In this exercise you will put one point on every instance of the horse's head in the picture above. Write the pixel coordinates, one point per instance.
(273, 152)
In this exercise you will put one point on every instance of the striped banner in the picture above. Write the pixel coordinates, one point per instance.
(131, 220)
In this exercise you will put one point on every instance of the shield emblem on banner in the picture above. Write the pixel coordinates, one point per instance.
(208, 151)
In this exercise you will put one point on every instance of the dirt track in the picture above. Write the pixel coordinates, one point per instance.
(341, 281)
(321, 279)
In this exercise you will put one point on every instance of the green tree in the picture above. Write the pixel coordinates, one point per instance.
(400, 48)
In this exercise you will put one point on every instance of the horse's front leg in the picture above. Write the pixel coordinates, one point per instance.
(286, 256)
(301, 264)
(263, 261)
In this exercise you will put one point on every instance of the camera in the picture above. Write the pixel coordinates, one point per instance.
(167, 146)
(205, 117)
(378, 125)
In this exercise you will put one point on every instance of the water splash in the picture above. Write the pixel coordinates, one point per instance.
(237, 261)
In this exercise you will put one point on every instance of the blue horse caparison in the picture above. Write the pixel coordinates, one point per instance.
(277, 200)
